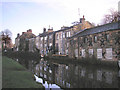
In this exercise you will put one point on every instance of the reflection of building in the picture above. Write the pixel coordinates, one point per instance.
(46, 71)
(77, 76)
(102, 42)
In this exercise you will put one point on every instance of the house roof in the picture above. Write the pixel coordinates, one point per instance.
(64, 29)
(27, 35)
(46, 33)
(97, 29)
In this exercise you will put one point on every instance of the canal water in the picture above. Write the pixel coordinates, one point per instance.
(72, 75)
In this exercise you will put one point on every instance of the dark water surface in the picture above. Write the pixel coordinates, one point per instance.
(71, 75)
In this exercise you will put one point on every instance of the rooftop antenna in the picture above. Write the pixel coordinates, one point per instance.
(79, 12)
(49, 26)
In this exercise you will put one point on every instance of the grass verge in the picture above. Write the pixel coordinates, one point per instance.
(15, 75)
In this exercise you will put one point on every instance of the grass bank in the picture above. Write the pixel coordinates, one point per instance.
(15, 75)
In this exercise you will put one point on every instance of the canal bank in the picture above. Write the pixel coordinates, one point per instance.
(89, 61)
(15, 75)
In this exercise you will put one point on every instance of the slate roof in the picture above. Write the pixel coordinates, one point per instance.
(64, 29)
(46, 33)
(98, 29)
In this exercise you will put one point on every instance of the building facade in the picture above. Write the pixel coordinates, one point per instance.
(32, 46)
(44, 41)
(17, 43)
(101, 42)
(61, 36)
(22, 41)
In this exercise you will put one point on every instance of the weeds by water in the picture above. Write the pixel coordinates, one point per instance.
(87, 61)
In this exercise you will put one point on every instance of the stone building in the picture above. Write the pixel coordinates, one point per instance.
(17, 43)
(46, 41)
(32, 46)
(55, 42)
(61, 44)
(22, 41)
(101, 42)
(60, 40)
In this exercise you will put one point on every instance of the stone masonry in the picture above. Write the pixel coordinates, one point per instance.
(102, 42)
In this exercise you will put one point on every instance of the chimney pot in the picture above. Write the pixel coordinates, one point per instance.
(44, 30)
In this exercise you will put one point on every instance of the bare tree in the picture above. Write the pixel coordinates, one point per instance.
(6, 32)
(113, 16)
(6, 38)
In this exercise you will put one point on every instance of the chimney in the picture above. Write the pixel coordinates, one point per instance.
(29, 31)
(50, 30)
(23, 33)
(44, 30)
(18, 35)
(82, 19)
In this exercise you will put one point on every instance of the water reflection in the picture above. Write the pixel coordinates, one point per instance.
(45, 83)
(55, 75)
(77, 76)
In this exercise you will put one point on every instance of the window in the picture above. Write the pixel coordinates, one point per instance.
(95, 39)
(99, 53)
(63, 35)
(46, 38)
(50, 44)
(83, 53)
(69, 34)
(50, 37)
(57, 36)
(90, 52)
(41, 45)
(109, 53)
(67, 45)
(107, 37)
(41, 38)
(45, 45)
(85, 39)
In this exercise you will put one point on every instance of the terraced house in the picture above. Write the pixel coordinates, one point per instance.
(102, 42)
(44, 41)
(54, 42)
(22, 41)
(61, 36)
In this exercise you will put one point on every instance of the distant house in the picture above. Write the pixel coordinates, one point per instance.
(22, 41)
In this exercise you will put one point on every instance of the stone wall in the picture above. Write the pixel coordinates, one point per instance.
(103, 44)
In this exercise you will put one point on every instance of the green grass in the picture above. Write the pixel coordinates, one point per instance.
(15, 75)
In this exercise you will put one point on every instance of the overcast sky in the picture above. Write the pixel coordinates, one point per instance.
(19, 16)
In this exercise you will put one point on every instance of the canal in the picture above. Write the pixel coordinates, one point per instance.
(72, 75)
